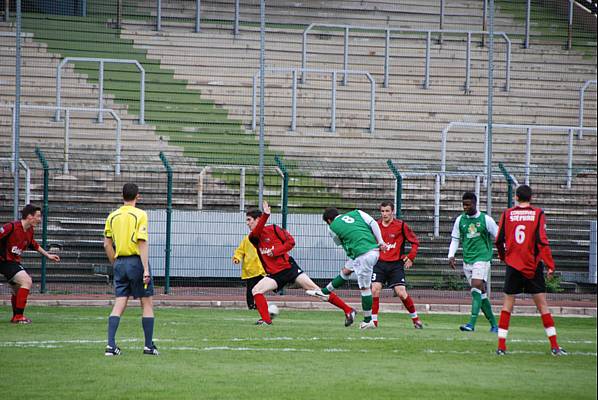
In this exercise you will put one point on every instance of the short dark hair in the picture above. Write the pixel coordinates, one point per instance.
(524, 193)
(330, 214)
(388, 203)
(253, 213)
(28, 210)
(130, 191)
(470, 196)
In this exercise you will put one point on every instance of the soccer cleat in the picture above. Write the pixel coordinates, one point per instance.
(112, 351)
(261, 322)
(557, 351)
(350, 317)
(494, 329)
(418, 324)
(467, 328)
(151, 351)
(20, 319)
(367, 325)
(501, 352)
(317, 293)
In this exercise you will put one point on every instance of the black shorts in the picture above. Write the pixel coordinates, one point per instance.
(390, 273)
(10, 268)
(286, 276)
(516, 283)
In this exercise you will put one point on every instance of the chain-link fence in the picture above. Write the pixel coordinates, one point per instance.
(116, 91)
(197, 218)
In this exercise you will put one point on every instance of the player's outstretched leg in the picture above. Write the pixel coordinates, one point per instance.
(336, 283)
(313, 290)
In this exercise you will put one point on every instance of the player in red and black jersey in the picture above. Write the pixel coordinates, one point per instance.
(15, 238)
(523, 246)
(273, 245)
(390, 268)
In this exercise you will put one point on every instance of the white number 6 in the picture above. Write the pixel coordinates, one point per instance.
(520, 234)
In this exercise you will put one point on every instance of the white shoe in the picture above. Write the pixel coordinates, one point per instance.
(317, 293)
(367, 325)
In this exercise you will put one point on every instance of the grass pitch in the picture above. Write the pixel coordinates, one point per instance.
(220, 354)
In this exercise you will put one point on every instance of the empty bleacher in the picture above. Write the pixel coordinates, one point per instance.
(201, 111)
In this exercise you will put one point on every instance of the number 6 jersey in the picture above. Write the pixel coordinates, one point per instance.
(522, 242)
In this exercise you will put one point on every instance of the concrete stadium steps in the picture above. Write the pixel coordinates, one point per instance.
(230, 86)
(546, 25)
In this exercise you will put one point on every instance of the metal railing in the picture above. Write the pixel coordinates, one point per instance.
(582, 94)
(334, 73)
(428, 33)
(67, 111)
(197, 15)
(102, 61)
(23, 164)
(528, 151)
(242, 173)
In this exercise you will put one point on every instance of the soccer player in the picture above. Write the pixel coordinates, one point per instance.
(476, 231)
(273, 244)
(15, 238)
(390, 268)
(126, 245)
(360, 236)
(251, 270)
(523, 246)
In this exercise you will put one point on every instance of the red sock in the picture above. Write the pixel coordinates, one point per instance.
(13, 301)
(21, 301)
(375, 305)
(503, 329)
(550, 330)
(408, 303)
(262, 307)
(337, 301)
(375, 309)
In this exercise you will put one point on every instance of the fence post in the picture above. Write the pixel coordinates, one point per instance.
(398, 187)
(197, 16)
(509, 184)
(527, 23)
(45, 211)
(285, 191)
(158, 15)
(167, 251)
(570, 26)
(6, 10)
(236, 28)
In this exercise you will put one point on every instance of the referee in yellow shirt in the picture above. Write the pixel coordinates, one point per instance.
(126, 245)
(251, 271)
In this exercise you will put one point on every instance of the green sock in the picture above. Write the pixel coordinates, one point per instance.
(334, 284)
(476, 303)
(366, 305)
(487, 310)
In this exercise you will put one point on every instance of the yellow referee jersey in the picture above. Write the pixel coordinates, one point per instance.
(247, 254)
(125, 227)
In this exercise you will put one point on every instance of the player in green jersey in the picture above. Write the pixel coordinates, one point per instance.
(476, 231)
(360, 236)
